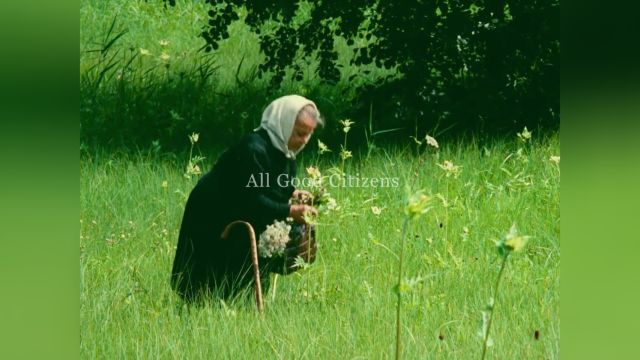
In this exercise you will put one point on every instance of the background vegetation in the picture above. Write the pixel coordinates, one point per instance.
(486, 68)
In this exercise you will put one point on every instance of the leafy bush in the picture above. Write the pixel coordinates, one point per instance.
(479, 65)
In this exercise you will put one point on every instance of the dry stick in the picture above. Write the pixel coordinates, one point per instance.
(254, 258)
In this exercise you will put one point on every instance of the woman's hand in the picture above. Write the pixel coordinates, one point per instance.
(298, 212)
(302, 196)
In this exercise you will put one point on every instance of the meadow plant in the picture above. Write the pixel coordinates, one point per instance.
(431, 141)
(193, 169)
(322, 148)
(449, 170)
(344, 153)
(418, 144)
(417, 204)
(525, 135)
(321, 199)
(510, 243)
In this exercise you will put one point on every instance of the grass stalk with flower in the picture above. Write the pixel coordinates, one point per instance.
(319, 198)
(344, 153)
(193, 169)
(417, 204)
(449, 170)
(352, 307)
(512, 242)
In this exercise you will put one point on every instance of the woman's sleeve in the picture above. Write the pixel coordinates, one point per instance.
(260, 197)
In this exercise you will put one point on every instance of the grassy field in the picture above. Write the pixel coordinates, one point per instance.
(143, 78)
(343, 306)
(150, 30)
(148, 84)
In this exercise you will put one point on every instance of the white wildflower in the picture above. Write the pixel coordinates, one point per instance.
(322, 148)
(332, 204)
(525, 135)
(274, 239)
(193, 169)
(346, 125)
(314, 172)
(345, 154)
(431, 141)
(450, 168)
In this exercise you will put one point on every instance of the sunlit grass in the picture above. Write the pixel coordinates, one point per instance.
(343, 306)
(143, 77)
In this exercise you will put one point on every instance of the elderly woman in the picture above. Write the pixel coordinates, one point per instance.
(247, 183)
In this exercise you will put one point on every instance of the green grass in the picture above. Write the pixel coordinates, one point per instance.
(147, 22)
(130, 96)
(343, 306)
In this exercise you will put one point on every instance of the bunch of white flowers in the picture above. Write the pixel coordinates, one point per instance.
(274, 239)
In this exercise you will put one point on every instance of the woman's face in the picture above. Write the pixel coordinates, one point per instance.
(302, 130)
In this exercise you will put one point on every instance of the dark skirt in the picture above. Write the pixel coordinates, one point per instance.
(228, 272)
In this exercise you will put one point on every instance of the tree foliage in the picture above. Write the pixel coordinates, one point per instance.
(473, 64)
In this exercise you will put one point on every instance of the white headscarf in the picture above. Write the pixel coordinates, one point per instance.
(279, 118)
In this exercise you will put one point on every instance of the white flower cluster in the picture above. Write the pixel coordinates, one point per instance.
(274, 239)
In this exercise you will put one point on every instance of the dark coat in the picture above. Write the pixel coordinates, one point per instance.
(235, 189)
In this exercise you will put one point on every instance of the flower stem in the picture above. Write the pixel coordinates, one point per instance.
(495, 297)
(275, 285)
(308, 252)
(446, 215)
(398, 305)
(343, 158)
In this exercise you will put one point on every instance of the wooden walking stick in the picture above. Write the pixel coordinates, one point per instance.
(254, 258)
